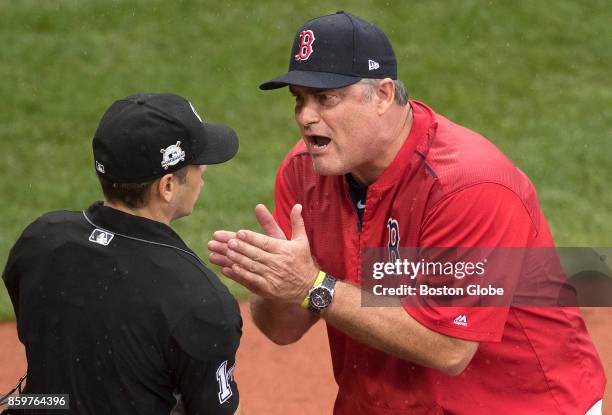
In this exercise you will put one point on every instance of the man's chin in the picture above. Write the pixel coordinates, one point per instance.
(324, 170)
(180, 215)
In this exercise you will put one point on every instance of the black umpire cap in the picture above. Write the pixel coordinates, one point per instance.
(146, 135)
(335, 51)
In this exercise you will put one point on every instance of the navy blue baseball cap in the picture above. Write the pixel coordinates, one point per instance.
(335, 51)
(146, 135)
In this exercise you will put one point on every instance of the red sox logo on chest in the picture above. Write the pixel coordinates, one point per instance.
(307, 38)
(394, 239)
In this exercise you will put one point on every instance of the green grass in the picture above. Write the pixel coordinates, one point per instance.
(534, 77)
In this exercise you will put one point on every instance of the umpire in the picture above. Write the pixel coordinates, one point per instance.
(112, 307)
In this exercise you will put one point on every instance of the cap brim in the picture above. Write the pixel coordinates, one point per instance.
(311, 79)
(221, 145)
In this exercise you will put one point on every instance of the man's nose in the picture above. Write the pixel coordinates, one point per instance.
(307, 115)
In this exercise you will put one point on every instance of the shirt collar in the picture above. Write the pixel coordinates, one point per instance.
(421, 132)
(122, 223)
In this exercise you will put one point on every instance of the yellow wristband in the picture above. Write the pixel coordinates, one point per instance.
(306, 302)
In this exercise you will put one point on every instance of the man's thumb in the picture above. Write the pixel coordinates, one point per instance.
(297, 223)
(267, 222)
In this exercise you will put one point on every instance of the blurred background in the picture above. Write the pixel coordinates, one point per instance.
(533, 77)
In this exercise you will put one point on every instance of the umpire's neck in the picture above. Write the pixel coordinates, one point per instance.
(165, 201)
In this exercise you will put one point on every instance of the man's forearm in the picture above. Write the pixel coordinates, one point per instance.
(281, 322)
(392, 330)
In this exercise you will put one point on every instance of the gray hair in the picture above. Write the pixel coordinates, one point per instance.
(401, 95)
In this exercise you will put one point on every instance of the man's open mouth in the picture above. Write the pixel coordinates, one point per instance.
(318, 141)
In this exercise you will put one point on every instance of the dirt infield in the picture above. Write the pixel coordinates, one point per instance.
(285, 380)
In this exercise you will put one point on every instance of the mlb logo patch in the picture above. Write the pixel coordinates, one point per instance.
(173, 154)
(101, 237)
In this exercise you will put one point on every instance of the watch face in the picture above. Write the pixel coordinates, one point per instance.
(320, 298)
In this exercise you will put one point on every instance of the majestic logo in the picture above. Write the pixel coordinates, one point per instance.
(307, 38)
(101, 237)
(373, 65)
(394, 239)
(460, 320)
(195, 112)
(172, 155)
(224, 376)
(100, 167)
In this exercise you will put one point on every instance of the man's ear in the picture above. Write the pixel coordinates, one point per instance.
(385, 92)
(166, 187)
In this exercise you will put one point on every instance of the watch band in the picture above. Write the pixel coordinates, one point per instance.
(306, 302)
(329, 282)
(323, 293)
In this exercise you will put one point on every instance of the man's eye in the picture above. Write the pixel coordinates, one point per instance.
(327, 99)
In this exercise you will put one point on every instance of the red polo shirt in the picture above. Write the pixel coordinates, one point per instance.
(447, 187)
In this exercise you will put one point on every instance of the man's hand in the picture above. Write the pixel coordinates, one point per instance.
(268, 265)
(218, 245)
(281, 320)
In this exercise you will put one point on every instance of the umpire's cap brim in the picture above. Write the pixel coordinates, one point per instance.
(220, 145)
(311, 79)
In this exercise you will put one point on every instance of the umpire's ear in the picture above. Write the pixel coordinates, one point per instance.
(166, 187)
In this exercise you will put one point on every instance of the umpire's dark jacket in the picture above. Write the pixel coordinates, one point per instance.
(116, 311)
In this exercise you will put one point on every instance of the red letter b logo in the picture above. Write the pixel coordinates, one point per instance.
(305, 47)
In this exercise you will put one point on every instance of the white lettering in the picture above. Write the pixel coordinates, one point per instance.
(488, 290)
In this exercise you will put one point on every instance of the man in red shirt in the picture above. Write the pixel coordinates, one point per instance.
(376, 170)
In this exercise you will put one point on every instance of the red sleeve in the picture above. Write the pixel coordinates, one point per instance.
(485, 215)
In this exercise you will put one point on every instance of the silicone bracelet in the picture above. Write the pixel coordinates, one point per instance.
(306, 302)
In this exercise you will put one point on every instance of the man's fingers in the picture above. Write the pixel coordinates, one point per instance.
(263, 242)
(220, 260)
(217, 247)
(250, 251)
(251, 281)
(223, 236)
(246, 262)
(229, 273)
(267, 222)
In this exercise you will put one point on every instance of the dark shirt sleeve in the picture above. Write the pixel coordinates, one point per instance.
(10, 275)
(206, 386)
(10, 281)
(203, 357)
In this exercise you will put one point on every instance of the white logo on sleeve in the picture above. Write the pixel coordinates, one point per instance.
(224, 376)
(460, 320)
(373, 65)
(172, 155)
(101, 237)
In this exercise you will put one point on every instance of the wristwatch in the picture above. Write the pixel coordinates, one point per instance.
(321, 294)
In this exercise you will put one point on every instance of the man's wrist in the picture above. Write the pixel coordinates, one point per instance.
(319, 278)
